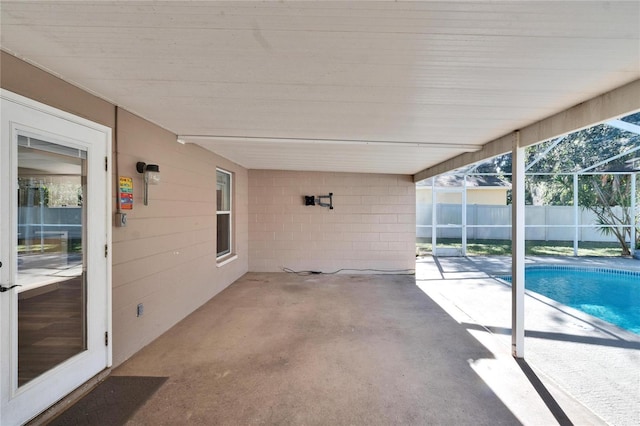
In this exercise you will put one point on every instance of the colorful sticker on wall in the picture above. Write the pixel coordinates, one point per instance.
(126, 193)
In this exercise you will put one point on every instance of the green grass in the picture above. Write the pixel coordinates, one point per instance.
(73, 246)
(36, 248)
(532, 248)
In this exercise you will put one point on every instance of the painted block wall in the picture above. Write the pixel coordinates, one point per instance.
(372, 225)
(165, 258)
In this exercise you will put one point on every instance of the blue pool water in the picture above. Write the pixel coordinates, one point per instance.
(611, 295)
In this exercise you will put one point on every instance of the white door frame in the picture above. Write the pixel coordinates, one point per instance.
(20, 404)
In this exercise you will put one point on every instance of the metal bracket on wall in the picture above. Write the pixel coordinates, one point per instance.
(330, 197)
(310, 200)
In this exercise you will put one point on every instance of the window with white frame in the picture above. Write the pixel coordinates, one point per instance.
(223, 213)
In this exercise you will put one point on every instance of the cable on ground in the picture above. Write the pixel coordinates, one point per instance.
(383, 271)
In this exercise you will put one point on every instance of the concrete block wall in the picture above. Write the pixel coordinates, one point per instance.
(372, 225)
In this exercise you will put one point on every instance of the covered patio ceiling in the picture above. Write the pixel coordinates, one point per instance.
(378, 87)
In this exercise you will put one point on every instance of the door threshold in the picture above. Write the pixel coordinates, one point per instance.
(59, 407)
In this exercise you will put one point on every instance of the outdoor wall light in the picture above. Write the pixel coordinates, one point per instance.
(151, 177)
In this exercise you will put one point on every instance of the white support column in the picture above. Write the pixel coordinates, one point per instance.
(576, 211)
(464, 216)
(517, 249)
(434, 209)
(634, 210)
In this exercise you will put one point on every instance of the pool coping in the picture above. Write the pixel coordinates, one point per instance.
(582, 269)
(501, 265)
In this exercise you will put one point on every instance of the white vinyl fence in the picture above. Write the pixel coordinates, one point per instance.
(37, 224)
(544, 223)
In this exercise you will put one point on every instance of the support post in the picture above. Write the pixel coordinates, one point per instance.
(634, 217)
(464, 216)
(517, 248)
(576, 211)
(434, 209)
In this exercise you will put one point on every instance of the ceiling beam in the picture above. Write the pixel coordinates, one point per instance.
(429, 145)
(492, 149)
(616, 103)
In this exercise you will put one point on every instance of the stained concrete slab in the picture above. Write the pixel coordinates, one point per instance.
(285, 349)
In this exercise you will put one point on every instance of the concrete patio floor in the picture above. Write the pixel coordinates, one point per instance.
(433, 348)
(338, 349)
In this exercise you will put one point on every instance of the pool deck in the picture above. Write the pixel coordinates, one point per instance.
(573, 354)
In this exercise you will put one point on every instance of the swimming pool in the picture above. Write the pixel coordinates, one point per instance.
(609, 294)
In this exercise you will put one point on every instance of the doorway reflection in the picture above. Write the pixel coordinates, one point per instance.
(51, 261)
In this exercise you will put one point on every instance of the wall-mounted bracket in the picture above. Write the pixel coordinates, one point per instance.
(330, 197)
(310, 200)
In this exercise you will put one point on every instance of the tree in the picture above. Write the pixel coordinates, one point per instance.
(609, 192)
(608, 196)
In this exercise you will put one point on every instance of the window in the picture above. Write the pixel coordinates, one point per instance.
(223, 213)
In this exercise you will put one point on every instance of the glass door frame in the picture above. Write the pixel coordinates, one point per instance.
(19, 404)
(52, 178)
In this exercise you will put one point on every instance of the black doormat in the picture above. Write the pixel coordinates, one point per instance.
(112, 402)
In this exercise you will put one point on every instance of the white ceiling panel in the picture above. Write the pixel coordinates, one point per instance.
(358, 157)
(422, 72)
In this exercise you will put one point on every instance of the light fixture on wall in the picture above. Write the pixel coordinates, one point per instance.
(151, 177)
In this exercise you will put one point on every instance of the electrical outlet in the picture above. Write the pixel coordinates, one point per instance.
(139, 310)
